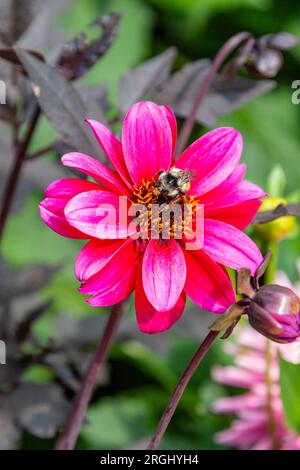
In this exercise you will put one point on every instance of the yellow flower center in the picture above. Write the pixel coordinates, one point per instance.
(166, 216)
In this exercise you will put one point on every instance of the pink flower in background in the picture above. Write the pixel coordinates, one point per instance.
(259, 422)
(161, 271)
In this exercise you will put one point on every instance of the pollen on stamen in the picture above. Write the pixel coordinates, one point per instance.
(148, 195)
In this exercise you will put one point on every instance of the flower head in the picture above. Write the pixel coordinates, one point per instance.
(259, 422)
(274, 311)
(121, 256)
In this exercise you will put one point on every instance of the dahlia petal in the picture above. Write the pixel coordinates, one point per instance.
(115, 281)
(239, 215)
(224, 189)
(149, 319)
(112, 148)
(57, 195)
(52, 213)
(164, 273)
(213, 157)
(147, 141)
(97, 170)
(207, 284)
(94, 256)
(244, 191)
(172, 122)
(97, 213)
(227, 245)
(67, 188)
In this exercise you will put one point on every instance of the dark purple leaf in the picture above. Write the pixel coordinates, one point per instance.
(9, 431)
(25, 281)
(23, 328)
(40, 409)
(15, 365)
(79, 55)
(144, 79)
(16, 16)
(224, 97)
(59, 364)
(78, 332)
(43, 30)
(6, 112)
(61, 103)
(283, 41)
(9, 54)
(280, 211)
(95, 100)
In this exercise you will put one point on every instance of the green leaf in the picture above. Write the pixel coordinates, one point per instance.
(290, 393)
(294, 196)
(38, 374)
(276, 182)
(154, 365)
(115, 423)
(192, 6)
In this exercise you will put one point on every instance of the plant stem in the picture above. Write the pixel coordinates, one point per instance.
(14, 176)
(180, 387)
(68, 438)
(272, 425)
(220, 58)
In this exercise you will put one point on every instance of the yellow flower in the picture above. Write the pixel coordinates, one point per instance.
(277, 229)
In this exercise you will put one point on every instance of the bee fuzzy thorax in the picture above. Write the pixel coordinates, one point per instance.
(170, 184)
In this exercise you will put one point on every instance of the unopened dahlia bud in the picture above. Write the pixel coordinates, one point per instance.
(274, 311)
(266, 63)
(277, 229)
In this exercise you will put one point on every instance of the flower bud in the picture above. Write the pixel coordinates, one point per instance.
(265, 63)
(274, 312)
(279, 228)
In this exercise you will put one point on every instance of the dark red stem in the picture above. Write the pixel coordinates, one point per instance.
(178, 392)
(68, 438)
(14, 176)
(220, 58)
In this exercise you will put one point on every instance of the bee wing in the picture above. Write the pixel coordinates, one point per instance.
(191, 173)
(187, 175)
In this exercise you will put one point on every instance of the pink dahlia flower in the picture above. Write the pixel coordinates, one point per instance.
(161, 271)
(259, 422)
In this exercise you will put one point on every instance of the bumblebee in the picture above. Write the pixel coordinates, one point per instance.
(170, 184)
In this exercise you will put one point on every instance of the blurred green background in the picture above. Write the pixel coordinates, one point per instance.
(142, 370)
